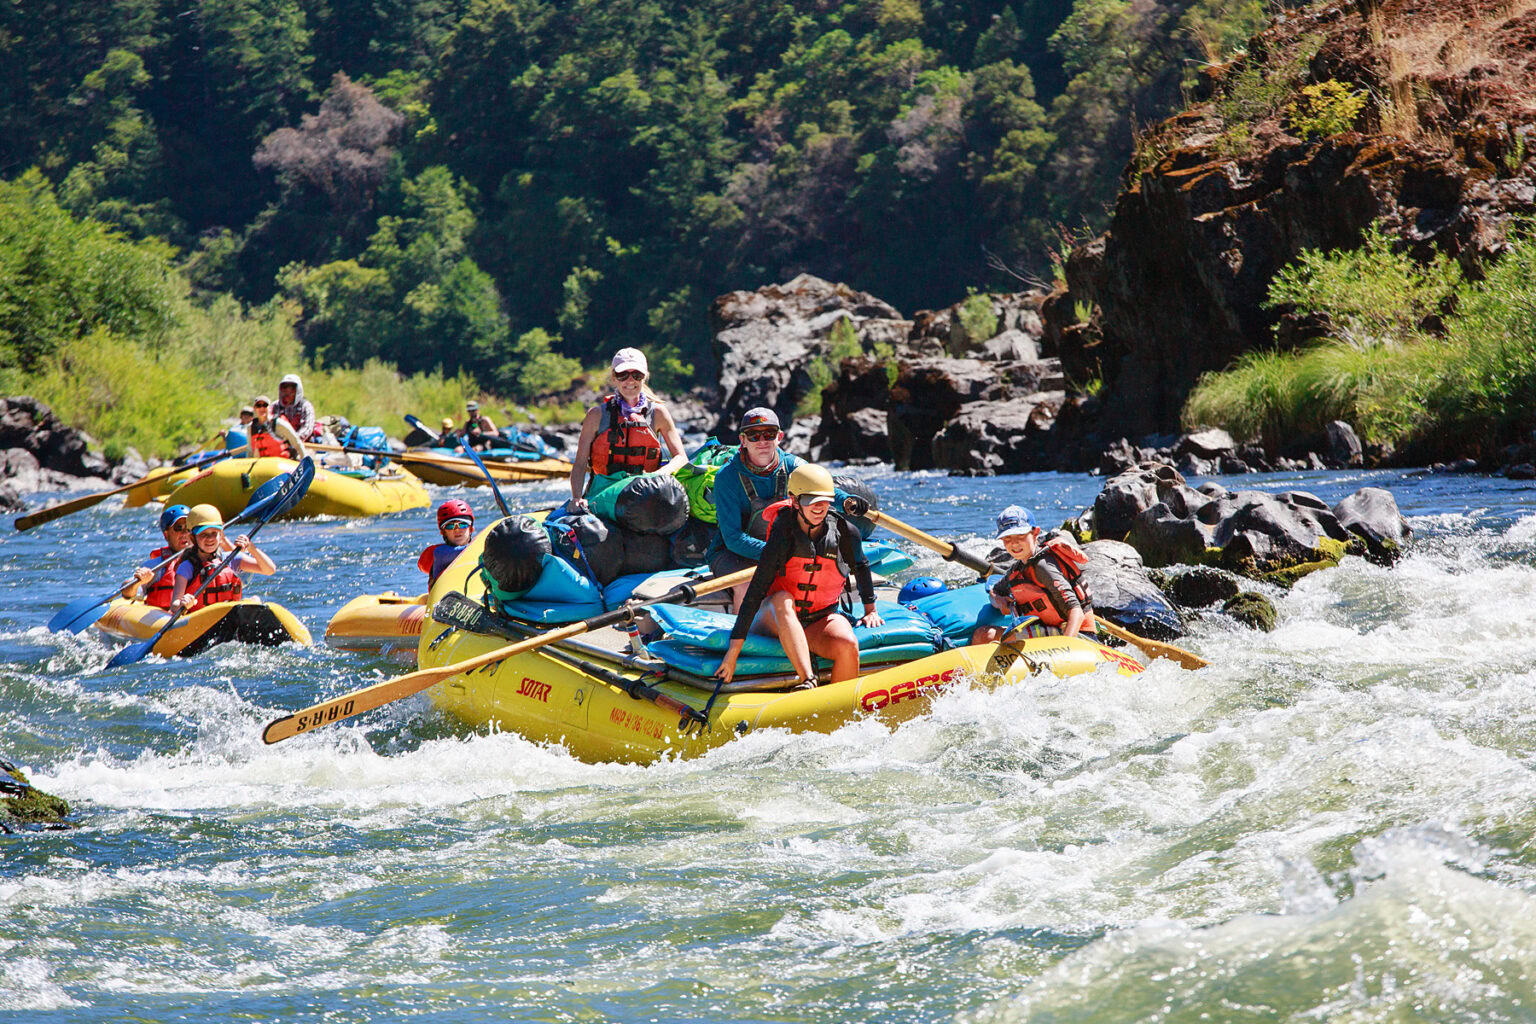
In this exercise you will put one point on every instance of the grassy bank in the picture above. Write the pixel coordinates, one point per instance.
(1413, 357)
(109, 333)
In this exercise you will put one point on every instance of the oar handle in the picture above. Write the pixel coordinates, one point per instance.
(391, 690)
(945, 550)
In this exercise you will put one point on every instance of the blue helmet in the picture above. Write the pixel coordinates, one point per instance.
(920, 587)
(171, 514)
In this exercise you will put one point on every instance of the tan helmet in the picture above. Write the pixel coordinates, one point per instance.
(203, 516)
(447, 422)
(810, 481)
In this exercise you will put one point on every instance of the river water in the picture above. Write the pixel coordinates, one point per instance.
(1332, 822)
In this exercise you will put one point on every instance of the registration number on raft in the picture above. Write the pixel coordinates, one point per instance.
(638, 723)
(874, 700)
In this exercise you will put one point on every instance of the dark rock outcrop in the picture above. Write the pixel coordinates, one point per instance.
(764, 340)
(1125, 594)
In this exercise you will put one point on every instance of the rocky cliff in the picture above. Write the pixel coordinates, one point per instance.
(1220, 197)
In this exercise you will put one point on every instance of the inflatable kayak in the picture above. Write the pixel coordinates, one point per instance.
(228, 485)
(251, 621)
(388, 625)
(443, 467)
(578, 692)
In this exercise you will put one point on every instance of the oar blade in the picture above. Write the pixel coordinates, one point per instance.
(134, 652)
(415, 422)
(77, 616)
(495, 490)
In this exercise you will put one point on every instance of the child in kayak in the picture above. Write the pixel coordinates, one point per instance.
(1045, 580)
(799, 582)
(159, 580)
(456, 522)
(207, 550)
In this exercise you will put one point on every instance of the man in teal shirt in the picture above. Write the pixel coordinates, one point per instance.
(749, 483)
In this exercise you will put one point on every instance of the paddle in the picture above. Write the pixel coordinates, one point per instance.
(64, 508)
(437, 438)
(284, 497)
(500, 501)
(391, 690)
(182, 460)
(447, 461)
(75, 616)
(454, 609)
(951, 553)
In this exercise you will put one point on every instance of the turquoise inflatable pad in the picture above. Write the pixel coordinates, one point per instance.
(957, 613)
(698, 627)
(703, 662)
(886, 559)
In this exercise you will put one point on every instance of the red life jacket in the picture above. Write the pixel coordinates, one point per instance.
(814, 581)
(159, 591)
(1028, 590)
(226, 585)
(625, 445)
(266, 445)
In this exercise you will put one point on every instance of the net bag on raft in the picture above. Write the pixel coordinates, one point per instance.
(652, 504)
(513, 556)
(698, 477)
(586, 538)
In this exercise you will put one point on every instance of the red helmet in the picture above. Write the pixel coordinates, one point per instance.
(454, 508)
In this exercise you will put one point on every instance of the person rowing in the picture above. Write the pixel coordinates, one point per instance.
(208, 548)
(296, 409)
(158, 582)
(755, 478)
(799, 583)
(624, 433)
(264, 443)
(478, 428)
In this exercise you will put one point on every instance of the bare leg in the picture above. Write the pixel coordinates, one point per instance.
(791, 633)
(987, 634)
(832, 637)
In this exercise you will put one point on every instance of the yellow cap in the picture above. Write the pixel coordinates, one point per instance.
(202, 517)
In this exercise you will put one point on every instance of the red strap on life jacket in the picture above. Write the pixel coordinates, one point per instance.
(624, 446)
(158, 593)
(226, 586)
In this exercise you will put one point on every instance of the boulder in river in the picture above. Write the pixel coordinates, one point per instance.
(1124, 593)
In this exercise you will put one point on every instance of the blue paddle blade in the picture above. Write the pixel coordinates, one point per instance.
(134, 652)
(495, 491)
(79, 615)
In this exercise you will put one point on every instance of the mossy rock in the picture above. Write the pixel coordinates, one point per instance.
(1253, 610)
(1201, 587)
(30, 806)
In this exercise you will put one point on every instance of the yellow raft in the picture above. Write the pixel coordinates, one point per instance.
(228, 485)
(251, 621)
(156, 484)
(388, 625)
(543, 696)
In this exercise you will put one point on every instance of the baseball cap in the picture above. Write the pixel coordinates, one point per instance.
(759, 417)
(1013, 521)
(630, 359)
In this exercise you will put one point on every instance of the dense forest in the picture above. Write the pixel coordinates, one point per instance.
(509, 188)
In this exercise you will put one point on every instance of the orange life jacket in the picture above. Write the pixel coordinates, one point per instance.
(1028, 590)
(159, 591)
(266, 445)
(226, 585)
(625, 445)
(814, 581)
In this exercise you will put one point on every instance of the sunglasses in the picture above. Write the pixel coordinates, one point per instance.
(817, 503)
(179, 526)
(457, 524)
(259, 405)
(770, 434)
(629, 375)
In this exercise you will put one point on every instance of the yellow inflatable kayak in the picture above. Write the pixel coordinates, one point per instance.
(577, 692)
(228, 485)
(251, 621)
(387, 624)
(156, 484)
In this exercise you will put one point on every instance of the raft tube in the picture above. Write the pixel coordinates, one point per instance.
(387, 625)
(251, 621)
(546, 699)
(228, 485)
(451, 469)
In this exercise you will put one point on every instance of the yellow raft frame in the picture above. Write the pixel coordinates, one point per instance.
(387, 625)
(251, 621)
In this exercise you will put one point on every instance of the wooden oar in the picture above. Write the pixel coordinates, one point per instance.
(287, 495)
(391, 690)
(454, 609)
(64, 508)
(952, 553)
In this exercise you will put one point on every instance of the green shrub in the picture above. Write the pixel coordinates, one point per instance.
(977, 318)
(1327, 108)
